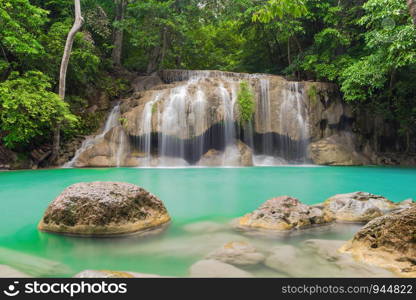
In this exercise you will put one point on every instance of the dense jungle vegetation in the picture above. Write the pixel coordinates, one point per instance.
(367, 47)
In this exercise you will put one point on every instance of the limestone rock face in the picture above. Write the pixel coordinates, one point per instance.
(104, 208)
(334, 151)
(282, 214)
(216, 269)
(113, 274)
(142, 83)
(388, 242)
(237, 253)
(357, 206)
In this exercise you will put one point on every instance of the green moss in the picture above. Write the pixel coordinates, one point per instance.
(245, 102)
(154, 107)
(313, 94)
(123, 121)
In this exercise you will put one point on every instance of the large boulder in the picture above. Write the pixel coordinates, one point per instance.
(388, 242)
(357, 206)
(216, 269)
(335, 151)
(104, 209)
(237, 253)
(282, 214)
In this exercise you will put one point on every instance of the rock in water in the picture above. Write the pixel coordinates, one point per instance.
(282, 214)
(104, 209)
(388, 242)
(214, 268)
(113, 274)
(335, 151)
(9, 272)
(237, 253)
(33, 265)
(357, 206)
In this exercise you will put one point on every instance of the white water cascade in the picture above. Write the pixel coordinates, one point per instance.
(113, 120)
(293, 115)
(194, 121)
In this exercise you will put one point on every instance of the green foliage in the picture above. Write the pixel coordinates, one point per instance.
(154, 107)
(246, 102)
(20, 24)
(279, 9)
(28, 109)
(313, 94)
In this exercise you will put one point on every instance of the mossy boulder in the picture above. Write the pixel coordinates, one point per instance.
(104, 209)
(282, 214)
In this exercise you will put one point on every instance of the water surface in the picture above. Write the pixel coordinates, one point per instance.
(191, 195)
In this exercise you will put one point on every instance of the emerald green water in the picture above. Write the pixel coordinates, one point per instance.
(191, 195)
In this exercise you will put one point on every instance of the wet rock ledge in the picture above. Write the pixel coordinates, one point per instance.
(104, 209)
(388, 241)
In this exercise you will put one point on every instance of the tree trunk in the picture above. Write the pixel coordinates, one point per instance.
(158, 53)
(289, 59)
(64, 67)
(411, 4)
(118, 33)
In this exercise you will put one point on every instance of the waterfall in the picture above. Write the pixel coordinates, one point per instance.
(173, 126)
(293, 124)
(265, 116)
(146, 130)
(192, 121)
(113, 120)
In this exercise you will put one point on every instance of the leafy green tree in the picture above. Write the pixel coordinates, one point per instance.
(28, 110)
(21, 25)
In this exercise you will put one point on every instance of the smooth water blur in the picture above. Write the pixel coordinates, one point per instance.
(191, 195)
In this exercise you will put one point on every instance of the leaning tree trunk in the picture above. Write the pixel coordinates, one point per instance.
(64, 67)
(118, 32)
(411, 4)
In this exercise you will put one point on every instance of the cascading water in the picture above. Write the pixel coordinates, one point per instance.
(113, 120)
(293, 124)
(194, 122)
(146, 130)
(173, 126)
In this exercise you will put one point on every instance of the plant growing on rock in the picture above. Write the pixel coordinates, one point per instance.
(245, 100)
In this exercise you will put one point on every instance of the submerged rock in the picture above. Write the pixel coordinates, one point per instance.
(33, 265)
(237, 253)
(282, 214)
(104, 209)
(319, 258)
(357, 206)
(9, 272)
(214, 268)
(388, 242)
(287, 259)
(113, 274)
(204, 227)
